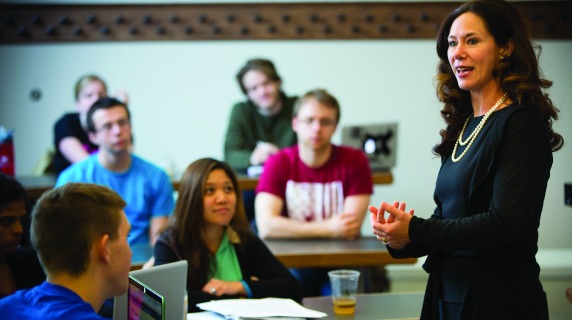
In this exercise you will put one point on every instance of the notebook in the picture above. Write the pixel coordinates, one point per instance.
(168, 280)
(378, 142)
(143, 303)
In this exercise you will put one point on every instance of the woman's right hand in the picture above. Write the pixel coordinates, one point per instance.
(217, 287)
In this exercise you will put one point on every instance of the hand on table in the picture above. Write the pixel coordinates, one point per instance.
(217, 287)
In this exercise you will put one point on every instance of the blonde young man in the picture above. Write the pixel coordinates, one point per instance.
(80, 233)
(314, 189)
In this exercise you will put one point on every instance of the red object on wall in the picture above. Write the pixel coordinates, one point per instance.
(6, 152)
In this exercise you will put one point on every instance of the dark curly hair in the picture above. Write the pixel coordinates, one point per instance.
(519, 74)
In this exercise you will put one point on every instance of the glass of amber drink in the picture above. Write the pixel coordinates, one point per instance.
(344, 286)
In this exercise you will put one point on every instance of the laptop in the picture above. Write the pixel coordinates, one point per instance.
(168, 280)
(378, 141)
(143, 303)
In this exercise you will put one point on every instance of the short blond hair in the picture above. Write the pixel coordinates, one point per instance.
(323, 97)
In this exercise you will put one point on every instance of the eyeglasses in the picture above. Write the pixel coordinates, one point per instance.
(322, 122)
(106, 128)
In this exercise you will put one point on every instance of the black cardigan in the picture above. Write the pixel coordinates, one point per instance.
(481, 240)
(26, 268)
(256, 261)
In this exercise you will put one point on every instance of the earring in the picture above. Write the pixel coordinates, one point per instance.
(501, 57)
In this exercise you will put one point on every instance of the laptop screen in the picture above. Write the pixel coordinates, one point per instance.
(169, 280)
(143, 302)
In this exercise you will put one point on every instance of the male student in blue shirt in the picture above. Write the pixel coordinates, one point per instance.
(80, 233)
(145, 187)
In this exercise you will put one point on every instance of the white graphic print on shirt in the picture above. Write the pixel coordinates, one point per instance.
(309, 201)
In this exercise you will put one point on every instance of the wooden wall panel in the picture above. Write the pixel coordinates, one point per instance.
(252, 21)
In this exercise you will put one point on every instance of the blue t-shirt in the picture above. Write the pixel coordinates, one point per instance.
(46, 302)
(145, 187)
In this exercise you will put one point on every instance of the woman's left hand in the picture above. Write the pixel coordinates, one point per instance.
(395, 229)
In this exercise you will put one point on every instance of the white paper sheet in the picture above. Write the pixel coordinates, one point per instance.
(205, 315)
(260, 308)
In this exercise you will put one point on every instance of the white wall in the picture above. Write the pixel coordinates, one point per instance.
(181, 94)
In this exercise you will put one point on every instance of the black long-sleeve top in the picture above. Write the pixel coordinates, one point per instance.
(256, 262)
(26, 268)
(482, 237)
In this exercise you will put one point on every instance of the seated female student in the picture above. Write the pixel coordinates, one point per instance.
(19, 266)
(70, 131)
(210, 230)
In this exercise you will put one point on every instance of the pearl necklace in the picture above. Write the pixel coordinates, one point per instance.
(471, 138)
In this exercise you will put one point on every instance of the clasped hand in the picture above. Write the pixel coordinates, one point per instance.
(395, 228)
(262, 152)
(345, 226)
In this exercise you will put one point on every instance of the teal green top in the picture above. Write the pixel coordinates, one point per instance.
(228, 267)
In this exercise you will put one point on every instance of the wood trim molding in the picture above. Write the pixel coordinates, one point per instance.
(252, 21)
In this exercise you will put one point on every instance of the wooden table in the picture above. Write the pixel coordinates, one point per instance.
(373, 306)
(141, 253)
(308, 253)
(36, 185)
(366, 251)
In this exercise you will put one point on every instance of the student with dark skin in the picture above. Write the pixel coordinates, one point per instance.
(80, 234)
(19, 266)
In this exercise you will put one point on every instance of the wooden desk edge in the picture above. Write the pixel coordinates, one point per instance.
(340, 260)
(249, 183)
(382, 177)
(246, 183)
(136, 266)
(328, 260)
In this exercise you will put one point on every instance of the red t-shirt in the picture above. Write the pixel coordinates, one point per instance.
(316, 194)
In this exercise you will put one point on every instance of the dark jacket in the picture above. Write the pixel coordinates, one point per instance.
(481, 241)
(26, 268)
